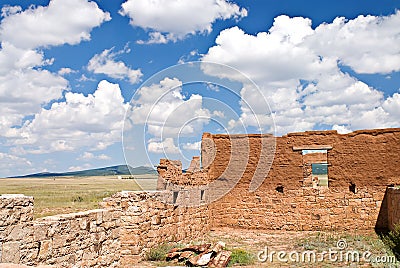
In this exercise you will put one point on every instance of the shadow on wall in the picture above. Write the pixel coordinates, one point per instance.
(382, 221)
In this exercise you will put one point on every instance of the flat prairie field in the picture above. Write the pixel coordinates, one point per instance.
(60, 195)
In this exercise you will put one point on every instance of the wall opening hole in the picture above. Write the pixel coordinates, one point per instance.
(315, 167)
(201, 195)
(175, 196)
(352, 188)
(279, 188)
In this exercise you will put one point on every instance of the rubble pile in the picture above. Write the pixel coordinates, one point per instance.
(201, 255)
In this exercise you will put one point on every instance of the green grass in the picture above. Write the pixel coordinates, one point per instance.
(67, 194)
(319, 241)
(241, 257)
(159, 252)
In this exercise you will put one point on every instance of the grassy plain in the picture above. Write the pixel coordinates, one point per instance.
(59, 195)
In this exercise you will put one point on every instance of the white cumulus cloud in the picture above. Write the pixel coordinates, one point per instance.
(91, 156)
(79, 168)
(298, 70)
(11, 164)
(105, 63)
(8, 10)
(196, 146)
(24, 88)
(65, 71)
(93, 122)
(61, 22)
(166, 146)
(25, 84)
(368, 44)
(166, 111)
(171, 20)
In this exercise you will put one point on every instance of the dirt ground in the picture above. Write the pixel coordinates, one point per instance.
(367, 245)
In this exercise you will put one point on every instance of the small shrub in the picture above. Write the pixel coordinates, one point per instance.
(158, 253)
(392, 240)
(77, 199)
(241, 257)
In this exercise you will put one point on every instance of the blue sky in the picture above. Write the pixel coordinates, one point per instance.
(69, 70)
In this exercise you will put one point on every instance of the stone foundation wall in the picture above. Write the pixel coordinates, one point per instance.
(89, 238)
(302, 209)
(118, 235)
(16, 215)
(147, 221)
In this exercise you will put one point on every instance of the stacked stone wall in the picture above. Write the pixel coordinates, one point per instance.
(301, 209)
(117, 235)
(149, 220)
(89, 238)
(16, 236)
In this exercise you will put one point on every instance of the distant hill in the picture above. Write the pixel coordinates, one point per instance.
(106, 171)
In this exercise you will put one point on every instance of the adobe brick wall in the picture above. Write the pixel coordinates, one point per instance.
(118, 235)
(369, 159)
(315, 158)
(170, 173)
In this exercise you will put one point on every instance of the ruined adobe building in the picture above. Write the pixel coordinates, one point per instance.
(317, 180)
(302, 181)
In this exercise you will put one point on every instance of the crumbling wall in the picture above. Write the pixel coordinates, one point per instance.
(147, 221)
(118, 235)
(171, 177)
(89, 238)
(16, 236)
(360, 167)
